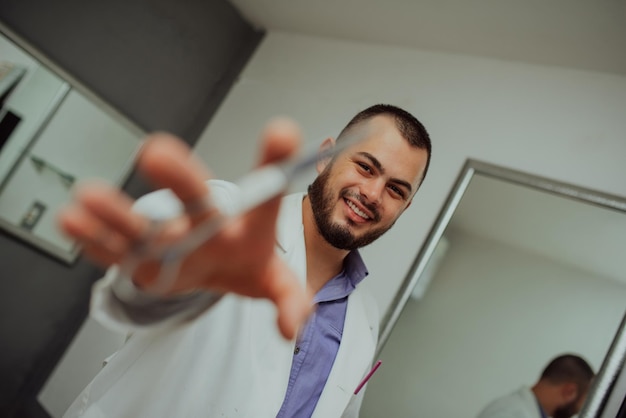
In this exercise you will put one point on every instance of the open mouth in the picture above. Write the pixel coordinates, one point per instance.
(356, 210)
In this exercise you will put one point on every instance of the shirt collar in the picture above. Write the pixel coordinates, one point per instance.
(340, 286)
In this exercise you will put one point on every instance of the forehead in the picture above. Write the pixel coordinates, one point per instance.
(381, 138)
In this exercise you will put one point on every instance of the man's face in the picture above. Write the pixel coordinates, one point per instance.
(360, 194)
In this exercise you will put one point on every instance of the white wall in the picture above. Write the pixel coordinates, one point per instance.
(556, 122)
(564, 124)
(491, 320)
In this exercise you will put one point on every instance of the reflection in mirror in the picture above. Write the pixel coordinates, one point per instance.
(517, 270)
(53, 133)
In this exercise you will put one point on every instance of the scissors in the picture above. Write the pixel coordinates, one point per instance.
(255, 188)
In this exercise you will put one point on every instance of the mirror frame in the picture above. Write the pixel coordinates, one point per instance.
(67, 256)
(606, 394)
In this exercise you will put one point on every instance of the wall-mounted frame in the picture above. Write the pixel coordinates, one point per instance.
(606, 397)
(55, 133)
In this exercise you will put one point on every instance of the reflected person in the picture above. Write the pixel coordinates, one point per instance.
(208, 345)
(560, 392)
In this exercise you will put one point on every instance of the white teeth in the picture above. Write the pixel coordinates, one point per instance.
(356, 210)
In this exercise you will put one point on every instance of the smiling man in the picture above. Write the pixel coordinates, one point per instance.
(207, 346)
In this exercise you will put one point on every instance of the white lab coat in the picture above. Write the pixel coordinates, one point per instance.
(232, 360)
(519, 404)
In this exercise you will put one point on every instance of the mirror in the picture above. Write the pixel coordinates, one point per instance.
(517, 270)
(53, 133)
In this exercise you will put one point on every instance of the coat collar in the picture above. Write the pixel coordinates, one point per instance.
(354, 357)
(289, 228)
(360, 334)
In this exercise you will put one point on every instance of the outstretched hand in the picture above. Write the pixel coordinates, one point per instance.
(239, 259)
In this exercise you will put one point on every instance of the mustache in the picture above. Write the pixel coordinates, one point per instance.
(371, 207)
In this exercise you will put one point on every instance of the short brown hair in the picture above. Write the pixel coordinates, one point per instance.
(569, 368)
(408, 125)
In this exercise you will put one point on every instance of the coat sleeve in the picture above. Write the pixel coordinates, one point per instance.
(122, 307)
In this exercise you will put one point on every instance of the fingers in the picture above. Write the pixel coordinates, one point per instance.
(100, 244)
(292, 313)
(169, 163)
(293, 303)
(101, 220)
(281, 139)
(113, 208)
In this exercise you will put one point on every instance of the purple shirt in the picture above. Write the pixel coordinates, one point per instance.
(317, 345)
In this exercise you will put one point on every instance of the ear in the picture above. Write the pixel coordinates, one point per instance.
(324, 147)
(569, 392)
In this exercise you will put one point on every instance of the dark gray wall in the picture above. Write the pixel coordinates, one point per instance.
(166, 65)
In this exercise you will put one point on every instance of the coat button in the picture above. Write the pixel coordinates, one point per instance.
(296, 350)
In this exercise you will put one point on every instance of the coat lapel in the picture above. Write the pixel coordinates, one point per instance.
(352, 362)
(274, 353)
(290, 235)
(359, 338)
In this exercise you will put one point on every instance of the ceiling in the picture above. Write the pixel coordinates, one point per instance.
(580, 235)
(581, 34)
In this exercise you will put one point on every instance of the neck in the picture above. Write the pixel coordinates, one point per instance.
(322, 259)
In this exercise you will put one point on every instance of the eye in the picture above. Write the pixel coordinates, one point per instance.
(396, 190)
(364, 167)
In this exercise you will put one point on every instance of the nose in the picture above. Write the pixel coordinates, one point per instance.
(372, 190)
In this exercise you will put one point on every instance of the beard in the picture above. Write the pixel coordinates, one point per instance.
(339, 236)
(566, 411)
